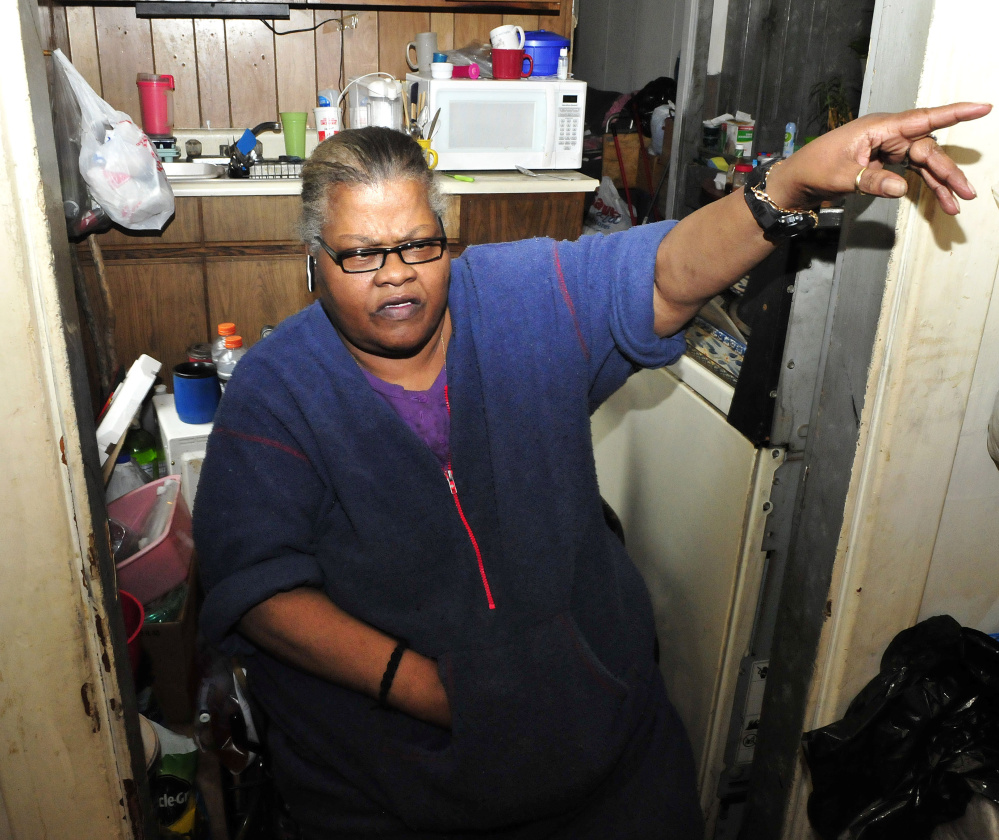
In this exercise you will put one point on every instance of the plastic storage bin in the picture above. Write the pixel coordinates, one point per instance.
(163, 564)
(543, 46)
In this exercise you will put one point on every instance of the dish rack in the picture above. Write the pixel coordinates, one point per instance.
(276, 169)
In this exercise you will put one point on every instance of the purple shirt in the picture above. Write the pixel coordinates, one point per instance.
(425, 412)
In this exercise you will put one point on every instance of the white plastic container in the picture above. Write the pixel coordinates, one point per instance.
(659, 117)
(375, 100)
(234, 351)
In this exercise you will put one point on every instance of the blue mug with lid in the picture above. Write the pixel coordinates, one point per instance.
(196, 391)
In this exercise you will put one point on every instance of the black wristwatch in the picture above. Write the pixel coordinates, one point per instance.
(778, 222)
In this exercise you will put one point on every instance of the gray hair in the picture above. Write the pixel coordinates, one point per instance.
(359, 157)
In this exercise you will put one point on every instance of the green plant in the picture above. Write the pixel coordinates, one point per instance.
(833, 106)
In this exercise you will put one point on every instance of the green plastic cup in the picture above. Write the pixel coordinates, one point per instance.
(293, 126)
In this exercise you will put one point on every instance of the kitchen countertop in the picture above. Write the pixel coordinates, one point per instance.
(486, 183)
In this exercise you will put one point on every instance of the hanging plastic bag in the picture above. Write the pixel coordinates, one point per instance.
(117, 160)
(84, 216)
(608, 213)
(916, 744)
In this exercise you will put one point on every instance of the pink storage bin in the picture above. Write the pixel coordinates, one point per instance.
(163, 564)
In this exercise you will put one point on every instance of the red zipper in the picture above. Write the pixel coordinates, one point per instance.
(449, 475)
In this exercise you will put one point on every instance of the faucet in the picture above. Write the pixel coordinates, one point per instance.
(242, 155)
(256, 131)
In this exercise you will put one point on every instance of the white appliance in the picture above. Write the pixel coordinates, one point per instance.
(692, 494)
(502, 124)
(183, 444)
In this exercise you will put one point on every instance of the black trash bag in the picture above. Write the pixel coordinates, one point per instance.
(916, 744)
(655, 93)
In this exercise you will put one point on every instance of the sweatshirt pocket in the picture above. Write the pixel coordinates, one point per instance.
(538, 723)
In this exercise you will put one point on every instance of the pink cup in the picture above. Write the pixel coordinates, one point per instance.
(509, 64)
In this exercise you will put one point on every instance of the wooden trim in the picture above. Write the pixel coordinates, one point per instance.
(195, 252)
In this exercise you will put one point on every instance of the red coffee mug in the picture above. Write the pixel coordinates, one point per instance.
(509, 64)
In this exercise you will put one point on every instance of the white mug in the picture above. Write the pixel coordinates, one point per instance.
(425, 46)
(507, 37)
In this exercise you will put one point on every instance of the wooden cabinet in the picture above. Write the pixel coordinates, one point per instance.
(238, 258)
(219, 259)
(507, 218)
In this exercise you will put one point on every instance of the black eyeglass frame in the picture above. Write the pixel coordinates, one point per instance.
(401, 250)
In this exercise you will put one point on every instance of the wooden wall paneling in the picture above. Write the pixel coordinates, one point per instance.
(83, 50)
(295, 62)
(55, 34)
(255, 292)
(213, 73)
(360, 47)
(184, 227)
(159, 309)
(252, 78)
(528, 22)
(395, 31)
(473, 28)
(328, 51)
(443, 24)
(126, 48)
(174, 54)
(251, 218)
(561, 23)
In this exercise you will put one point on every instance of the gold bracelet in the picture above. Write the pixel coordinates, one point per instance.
(762, 196)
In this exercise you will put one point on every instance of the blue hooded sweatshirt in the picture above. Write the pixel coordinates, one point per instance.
(541, 626)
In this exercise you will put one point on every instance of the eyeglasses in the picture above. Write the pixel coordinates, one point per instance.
(360, 260)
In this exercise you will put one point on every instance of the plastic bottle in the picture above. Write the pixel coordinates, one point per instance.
(328, 97)
(142, 447)
(790, 130)
(742, 170)
(563, 63)
(234, 351)
(125, 477)
(730, 175)
(218, 346)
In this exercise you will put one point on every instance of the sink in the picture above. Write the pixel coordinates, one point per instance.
(176, 171)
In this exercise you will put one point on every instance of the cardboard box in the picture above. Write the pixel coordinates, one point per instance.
(739, 133)
(171, 647)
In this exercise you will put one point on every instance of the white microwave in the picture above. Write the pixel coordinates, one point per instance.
(502, 124)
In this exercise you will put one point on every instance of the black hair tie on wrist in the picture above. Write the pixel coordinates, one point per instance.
(390, 669)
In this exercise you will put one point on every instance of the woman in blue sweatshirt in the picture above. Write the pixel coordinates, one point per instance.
(399, 523)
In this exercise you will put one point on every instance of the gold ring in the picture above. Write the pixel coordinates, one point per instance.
(856, 181)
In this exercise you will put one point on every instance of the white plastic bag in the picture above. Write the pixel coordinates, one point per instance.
(608, 213)
(117, 160)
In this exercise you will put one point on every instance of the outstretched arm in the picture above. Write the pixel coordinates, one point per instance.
(715, 246)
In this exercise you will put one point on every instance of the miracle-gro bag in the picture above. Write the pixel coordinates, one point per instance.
(117, 160)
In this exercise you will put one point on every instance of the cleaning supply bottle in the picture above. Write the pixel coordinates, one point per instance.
(218, 346)
(234, 351)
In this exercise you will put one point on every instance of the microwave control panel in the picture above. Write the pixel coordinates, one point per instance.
(569, 113)
(570, 126)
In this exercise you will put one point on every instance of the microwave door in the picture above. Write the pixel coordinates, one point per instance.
(491, 129)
